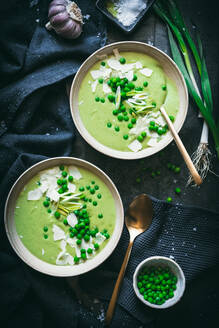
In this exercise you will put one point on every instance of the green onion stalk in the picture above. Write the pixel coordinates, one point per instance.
(169, 12)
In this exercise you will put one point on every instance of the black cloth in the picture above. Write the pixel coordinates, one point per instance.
(35, 123)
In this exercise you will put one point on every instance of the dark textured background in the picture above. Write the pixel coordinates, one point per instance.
(35, 123)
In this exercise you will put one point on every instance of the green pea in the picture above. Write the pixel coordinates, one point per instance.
(70, 178)
(169, 199)
(45, 236)
(99, 196)
(109, 125)
(122, 60)
(125, 137)
(133, 120)
(111, 98)
(94, 203)
(102, 100)
(120, 118)
(86, 237)
(65, 221)
(45, 229)
(145, 84)
(64, 174)
(61, 167)
(89, 251)
(100, 81)
(135, 77)
(57, 215)
(49, 210)
(59, 182)
(143, 134)
(100, 216)
(177, 169)
(164, 87)
(172, 118)
(96, 246)
(117, 128)
(76, 259)
(160, 131)
(78, 242)
(103, 63)
(130, 125)
(115, 112)
(46, 203)
(92, 191)
(126, 118)
(97, 99)
(178, 190)
(140, 138)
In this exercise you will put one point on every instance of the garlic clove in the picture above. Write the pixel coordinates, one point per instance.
(59, 19)
(54, 10)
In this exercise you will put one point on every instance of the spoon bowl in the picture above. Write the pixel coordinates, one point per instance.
(138, 219)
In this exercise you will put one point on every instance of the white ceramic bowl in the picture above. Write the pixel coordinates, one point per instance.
(171, 70)
(25, 254)
(176, 270)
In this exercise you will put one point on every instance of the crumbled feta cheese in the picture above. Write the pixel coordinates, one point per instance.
(94, 85)
(160, 120)
(99, 239)
(44, 186)
(58, 233)
(117, 66)
(103, 72)
(35, 194)
(135, 146)
(73, 170)
(64, 258)
(146, 71)
(72, 219)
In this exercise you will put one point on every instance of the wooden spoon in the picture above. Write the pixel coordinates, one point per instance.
(196, 177)
(137, 220)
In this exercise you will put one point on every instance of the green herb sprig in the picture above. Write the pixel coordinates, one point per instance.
(169, 12)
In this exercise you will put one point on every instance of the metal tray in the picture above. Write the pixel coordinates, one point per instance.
(101, 5)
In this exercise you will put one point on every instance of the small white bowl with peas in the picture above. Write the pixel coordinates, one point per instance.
(159, 282)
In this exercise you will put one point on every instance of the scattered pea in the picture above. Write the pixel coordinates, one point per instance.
(125, 137)
(100, 216)
(109, 125)
(164, 87)
(94, 203)
(117, 128)
(145, 84)
(120, 118)
(172, 118)
(96, 246)
(102, 100)
(45, 229)
(135, 77)
(99, 196)
(140, 138)
(45, 236)
(177, 190)
(103, 63)
(61, 167)
(130, 125)
(46, 203)
(97, 99)
(70, 178)
(57, 215)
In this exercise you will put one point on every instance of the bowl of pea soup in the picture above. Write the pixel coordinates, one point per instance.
(159, 282)
(64, 216)
(116, 96)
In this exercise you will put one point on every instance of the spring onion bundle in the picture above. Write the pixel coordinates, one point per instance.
(168, 11)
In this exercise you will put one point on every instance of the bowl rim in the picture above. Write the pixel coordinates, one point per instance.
(146, 152)
(32, 260)
(175, 299)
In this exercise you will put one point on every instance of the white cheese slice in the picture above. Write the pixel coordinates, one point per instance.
(96, 74)
(53, 194)
(135, 146)
(138, 65)
(71, 187)
(146, 71)
(64, 258)
(106, 88)
(58, 233)
(103, 72)
(94, 85)
(44, 186)
(99, 238)
(73, 170)
(117, 66)
(140, 126)
(35, 194)
(129, 75)
(72, 219)
(152, 142)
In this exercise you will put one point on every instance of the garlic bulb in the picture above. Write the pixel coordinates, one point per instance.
(65, 18)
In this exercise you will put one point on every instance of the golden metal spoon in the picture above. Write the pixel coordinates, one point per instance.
(137, 220)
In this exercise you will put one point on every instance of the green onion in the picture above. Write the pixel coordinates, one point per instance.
(168, 11)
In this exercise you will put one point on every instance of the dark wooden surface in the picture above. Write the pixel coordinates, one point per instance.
(124, 173)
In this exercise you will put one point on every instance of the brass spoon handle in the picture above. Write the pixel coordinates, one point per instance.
(115, 293)
(184, 153)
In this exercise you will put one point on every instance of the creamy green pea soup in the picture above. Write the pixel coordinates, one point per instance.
(120, 98)
(65, 215)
